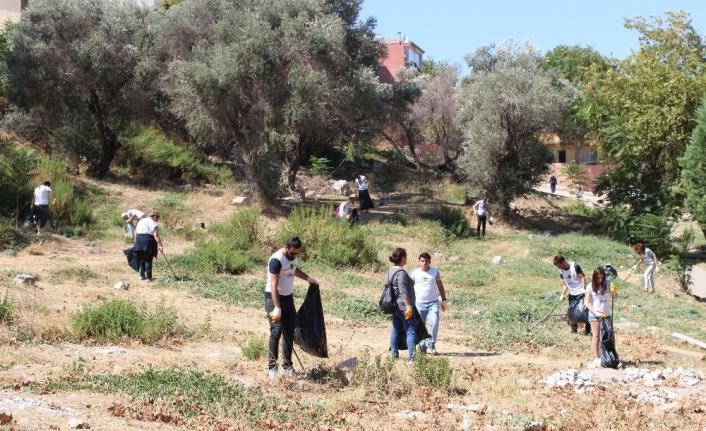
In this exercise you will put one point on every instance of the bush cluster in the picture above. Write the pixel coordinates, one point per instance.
(453, 220)
(328, 240)
(116, 319)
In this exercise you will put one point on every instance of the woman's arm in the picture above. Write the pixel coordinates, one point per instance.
(403, 287)
(159, 240)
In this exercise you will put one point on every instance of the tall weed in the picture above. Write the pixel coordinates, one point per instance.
(6, 309)
(453, 220)
(327, 240)
(112, 320)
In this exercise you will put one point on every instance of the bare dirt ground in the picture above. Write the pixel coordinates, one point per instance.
(505, 384)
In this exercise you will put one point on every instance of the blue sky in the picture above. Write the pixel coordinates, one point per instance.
(449, 29)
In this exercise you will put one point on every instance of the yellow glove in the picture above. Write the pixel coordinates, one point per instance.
(602, 315)
(657, 269)
(444, 305)
(561, 298)
(408, 313)
(53, 202)
(613, 288)
(276, 314)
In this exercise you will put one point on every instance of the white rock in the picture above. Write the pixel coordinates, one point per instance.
(121, 285)
(562, 383)
(77, 424)
(240, 200)
(342, 187)
(24, 279)
(467, 423)
(498, 260)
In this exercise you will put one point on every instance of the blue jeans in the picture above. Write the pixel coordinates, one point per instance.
(401, 325)
(146, 264)
(430, 309)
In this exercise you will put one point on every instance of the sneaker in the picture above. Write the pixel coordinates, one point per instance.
(149, 280)
(272, 373)
(142, 279)
(597, 362)
(423, 348)
(432, 351)
(289, 372)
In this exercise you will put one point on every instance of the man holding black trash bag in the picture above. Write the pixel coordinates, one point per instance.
(575, 283)
(279, 303)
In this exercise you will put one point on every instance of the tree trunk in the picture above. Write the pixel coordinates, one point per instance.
(294, 165)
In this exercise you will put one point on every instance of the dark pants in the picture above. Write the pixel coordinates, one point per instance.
(553, 187)
(365, 201)
(286, 325)
(481, 221)
(575, 326)
(145, 264)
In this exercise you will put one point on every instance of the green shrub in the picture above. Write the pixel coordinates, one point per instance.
(112, 320)
(71, 208)
(6, 309)
(432, 371)
(80, 275)
(452, 219)
(150, 155)
(233, 291)
(173, 210)
(319, 166)
(221, 257)
(327, 240)
(254, 349)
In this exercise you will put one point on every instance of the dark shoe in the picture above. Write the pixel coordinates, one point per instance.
(574, 329)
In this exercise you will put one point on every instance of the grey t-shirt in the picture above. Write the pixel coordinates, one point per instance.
(404, 286)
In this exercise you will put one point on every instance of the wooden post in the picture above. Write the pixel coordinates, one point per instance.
(689, 340)
(675, 351)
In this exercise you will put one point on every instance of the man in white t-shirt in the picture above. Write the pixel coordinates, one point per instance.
(279, 303)
(427, 289)
(40, 204)
(481, 208)
(574, 281)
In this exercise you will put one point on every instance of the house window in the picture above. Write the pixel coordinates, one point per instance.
(560, 156)
(412, 58)
(589, 155)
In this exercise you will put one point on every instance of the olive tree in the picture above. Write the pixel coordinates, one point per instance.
(74, 67)
(270, 78)
(509, 100)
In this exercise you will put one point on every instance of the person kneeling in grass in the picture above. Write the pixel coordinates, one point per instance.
(598, 295)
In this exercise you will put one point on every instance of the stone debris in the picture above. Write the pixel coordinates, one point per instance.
(19, 403)
(341, 187)
(480, 407)
(498, 260)
(572, 377)
(346, 369)
(240, 200)
(644, 385)
(467, 423)
(24, 279)
(408, 414)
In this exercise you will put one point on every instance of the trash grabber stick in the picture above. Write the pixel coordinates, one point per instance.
(545, 317)
(294, 351)
(170, 266)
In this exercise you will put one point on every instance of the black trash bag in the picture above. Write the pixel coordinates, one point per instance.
(309, 326)
(578, 313)
(606, 345)
(133, 258)
(420, 329)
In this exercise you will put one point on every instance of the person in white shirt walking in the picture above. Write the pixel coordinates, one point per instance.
(650, 259)
(428, 287)
(481, 208)
(40, 204)
(279, 303)
(574, 281)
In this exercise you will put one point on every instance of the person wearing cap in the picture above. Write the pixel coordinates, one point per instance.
(147, 244)
(132, 217)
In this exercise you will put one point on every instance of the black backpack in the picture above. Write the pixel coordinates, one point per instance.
(388, 299)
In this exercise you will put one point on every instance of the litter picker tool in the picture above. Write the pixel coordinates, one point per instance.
(170, 268)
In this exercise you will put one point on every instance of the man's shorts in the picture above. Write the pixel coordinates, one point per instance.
(43, 212)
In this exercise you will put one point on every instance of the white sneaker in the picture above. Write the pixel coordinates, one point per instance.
(432, 351)
(597, 362)
(289, 372)
(272, 373)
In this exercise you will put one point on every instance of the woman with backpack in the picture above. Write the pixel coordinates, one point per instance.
(598, 298)
(403, 318)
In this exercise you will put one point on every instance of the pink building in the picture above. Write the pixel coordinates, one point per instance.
(401, 52)
(564, 153)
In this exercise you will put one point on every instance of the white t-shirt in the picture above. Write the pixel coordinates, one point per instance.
(344, 209)
(600, 300)
(482, 207)
(571, 278)
(648, 256)
(41, 195)
(361, 182)
(146, 225)
(425, 288)
(279, 264)
(139, 215)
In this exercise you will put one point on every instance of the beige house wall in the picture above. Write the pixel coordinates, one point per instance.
(11, 10)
